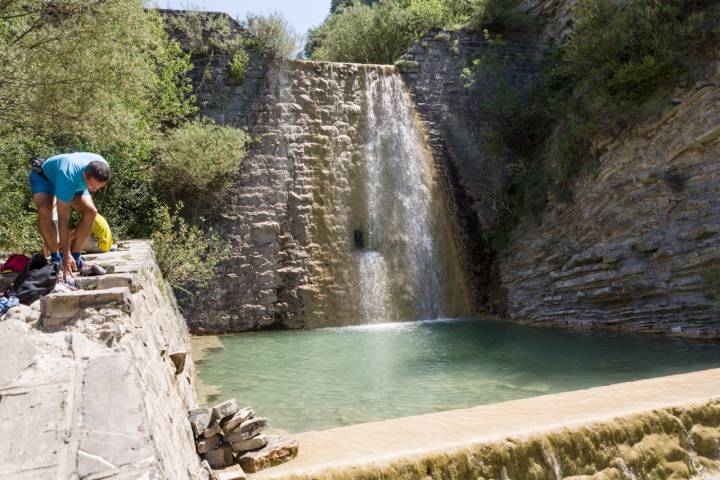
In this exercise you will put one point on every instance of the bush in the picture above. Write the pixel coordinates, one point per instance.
(272, 35)
(617, 68)
(711, 285)
(198, 160)
(237, 69)
(185, 254)
(377, 33)
(498, 16)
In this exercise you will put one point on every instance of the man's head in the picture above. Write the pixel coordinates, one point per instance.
(96, 175)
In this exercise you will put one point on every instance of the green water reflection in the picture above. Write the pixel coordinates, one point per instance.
(309, 380)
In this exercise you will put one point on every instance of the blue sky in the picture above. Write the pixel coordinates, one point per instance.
(301, 14)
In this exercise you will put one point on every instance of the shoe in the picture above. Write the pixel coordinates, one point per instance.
(92, 270)
(79, 262)
(56, 257)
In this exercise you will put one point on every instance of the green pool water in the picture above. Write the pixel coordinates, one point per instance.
(318, 379)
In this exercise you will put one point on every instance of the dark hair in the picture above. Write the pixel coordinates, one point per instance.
(98, 170)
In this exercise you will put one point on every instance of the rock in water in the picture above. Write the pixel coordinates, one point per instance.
(252, 444)
(220, 457)
(247, 430)
(225, 409)
(278, 450)
(229, 424)
(199, 420)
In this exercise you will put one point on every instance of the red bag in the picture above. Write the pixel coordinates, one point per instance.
(16, 263)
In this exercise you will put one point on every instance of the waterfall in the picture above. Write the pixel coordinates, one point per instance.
(402, 226)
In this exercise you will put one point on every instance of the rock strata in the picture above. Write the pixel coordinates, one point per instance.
(234, 439)
(630, 251)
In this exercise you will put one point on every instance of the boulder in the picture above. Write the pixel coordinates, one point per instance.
(212, 430)
(231, 473)
(278, 450)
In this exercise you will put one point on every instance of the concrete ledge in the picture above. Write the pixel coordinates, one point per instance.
(378, 447)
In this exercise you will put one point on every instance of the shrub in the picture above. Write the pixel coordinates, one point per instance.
(237, 68)
(498, 16)
(377, 33)
(185, 254)
(272, 35)
(204, 33)
(198, 160)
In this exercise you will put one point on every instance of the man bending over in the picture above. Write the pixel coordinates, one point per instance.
(70, 177)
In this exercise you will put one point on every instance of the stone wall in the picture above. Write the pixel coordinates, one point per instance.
(454, 116)
(630, 251)
(299, 198)
(554, 18)
(95, 383)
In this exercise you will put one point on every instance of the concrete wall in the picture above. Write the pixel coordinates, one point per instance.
(88, 388)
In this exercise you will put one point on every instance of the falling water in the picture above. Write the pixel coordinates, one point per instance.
(401, 230)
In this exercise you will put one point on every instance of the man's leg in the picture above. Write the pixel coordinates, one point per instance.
(44, 204)
(86, 208)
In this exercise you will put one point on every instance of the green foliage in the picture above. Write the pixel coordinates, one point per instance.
(379, 33)
(198, 160)
(617, 68)
(272, 35)
(676, 179)
(205, 33)
(186, 254)
(499, 16)
(237, 68)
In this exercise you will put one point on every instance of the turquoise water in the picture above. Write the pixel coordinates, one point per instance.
(318, 379)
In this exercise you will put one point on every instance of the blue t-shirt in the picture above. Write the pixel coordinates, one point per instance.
(65, 172)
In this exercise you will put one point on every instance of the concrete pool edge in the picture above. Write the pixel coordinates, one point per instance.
(359, 450)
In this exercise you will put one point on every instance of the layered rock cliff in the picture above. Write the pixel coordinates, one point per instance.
(630, 251)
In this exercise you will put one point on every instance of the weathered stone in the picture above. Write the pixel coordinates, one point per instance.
(220, 457)
(224, 410)
(199, 420)
(234, 472)
(251, 444)
(178, 359)
(278, 450)
(247, 430)
(213, 429)
(239, 417)
(207, 444)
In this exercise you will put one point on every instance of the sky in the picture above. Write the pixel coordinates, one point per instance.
(301, 14)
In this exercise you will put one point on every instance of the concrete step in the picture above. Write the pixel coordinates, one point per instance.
(58, 308)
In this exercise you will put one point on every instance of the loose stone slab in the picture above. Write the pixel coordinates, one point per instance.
(225, 409)
(247, 430)
(230, 424)
(207, 444)
(199, 420)
(231, 473)
(220, 457)
(278, 450)
(252, 444)
(213, 429)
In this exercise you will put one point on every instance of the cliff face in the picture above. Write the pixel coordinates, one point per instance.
(631, 249)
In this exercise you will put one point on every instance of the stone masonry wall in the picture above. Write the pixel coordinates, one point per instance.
(95, 383)
(631, 250)
(288, 215)
(454, 116)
